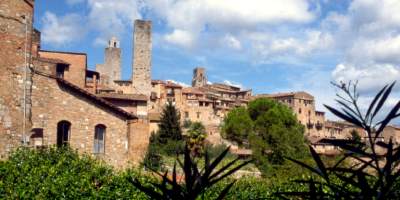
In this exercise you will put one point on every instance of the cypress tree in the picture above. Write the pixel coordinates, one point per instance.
(170, 126)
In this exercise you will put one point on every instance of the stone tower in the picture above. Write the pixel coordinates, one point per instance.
(142, 46)
(111, 69)
(199, 77)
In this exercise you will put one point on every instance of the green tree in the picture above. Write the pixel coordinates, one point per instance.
(237, 126)
(196, 137)
(170, 126)
(270, 128)
(277, 133)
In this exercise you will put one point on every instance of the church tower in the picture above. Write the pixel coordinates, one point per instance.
(142, 46)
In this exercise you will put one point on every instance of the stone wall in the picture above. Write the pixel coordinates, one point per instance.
(53, 102)
(138, 140)
(15, 34)
(199, 77)
(77, 69)
(142, 45)
(111, 69)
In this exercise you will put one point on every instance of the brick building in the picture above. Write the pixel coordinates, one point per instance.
(49, 98)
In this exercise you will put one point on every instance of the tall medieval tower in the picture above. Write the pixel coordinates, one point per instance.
(142, 46)
(111, 69)
(199, 77)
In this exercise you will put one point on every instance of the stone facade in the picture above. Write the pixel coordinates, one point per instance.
(199, 77)
(16, 18)
(75, 72)
(54, 101)
(46, 98)
(111, 69)
(142, 47)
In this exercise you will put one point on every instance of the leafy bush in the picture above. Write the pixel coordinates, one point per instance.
(60, 173)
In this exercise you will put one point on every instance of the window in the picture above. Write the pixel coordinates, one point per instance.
(186, 114)
(60, 71)
(299, 110)
(99, 136)
(63, 133)
(198, 115)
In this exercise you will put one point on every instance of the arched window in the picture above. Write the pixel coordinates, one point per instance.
(99, 137)
(63, 132)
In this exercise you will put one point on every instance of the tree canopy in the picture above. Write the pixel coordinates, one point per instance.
(170, 126)
(271, 130)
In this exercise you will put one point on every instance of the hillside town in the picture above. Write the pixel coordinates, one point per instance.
(50, 97)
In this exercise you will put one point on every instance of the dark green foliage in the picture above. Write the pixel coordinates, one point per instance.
(60, 173)
(196, 137)
(196, 181)
(168, 140)
(237, 126)
(153, 158)
(271, 130)
(170, 126)
(374, 175)
(187, 123)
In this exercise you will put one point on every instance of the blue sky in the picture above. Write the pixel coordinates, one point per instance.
(269, 46)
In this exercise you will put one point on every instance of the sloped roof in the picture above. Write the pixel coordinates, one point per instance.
(95, 99)
(131, 97)
(191, 90)
(52, 60)
(300, 95)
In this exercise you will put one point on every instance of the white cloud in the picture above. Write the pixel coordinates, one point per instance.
(231, 42)
(369, 34)
(370, 77)
(112, 18)
(228, 82)
(181, 38)
(62, 30)
(272, 47)
(189, 20)
(179, 83)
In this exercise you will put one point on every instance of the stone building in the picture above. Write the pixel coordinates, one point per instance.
(141, 77)
(199, 77)
(50, 98)
(111, 69)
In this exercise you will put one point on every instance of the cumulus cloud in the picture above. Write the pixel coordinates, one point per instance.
(189, 20)
(112, 18)
(181, 38)
(61, 30)
(371, 43)
(231, 42)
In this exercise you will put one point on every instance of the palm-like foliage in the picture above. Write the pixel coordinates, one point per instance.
(371, 175)
(195, 181)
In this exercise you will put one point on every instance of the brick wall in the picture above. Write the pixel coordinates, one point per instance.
(53, 103)
(15, 37)
(77, 69)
